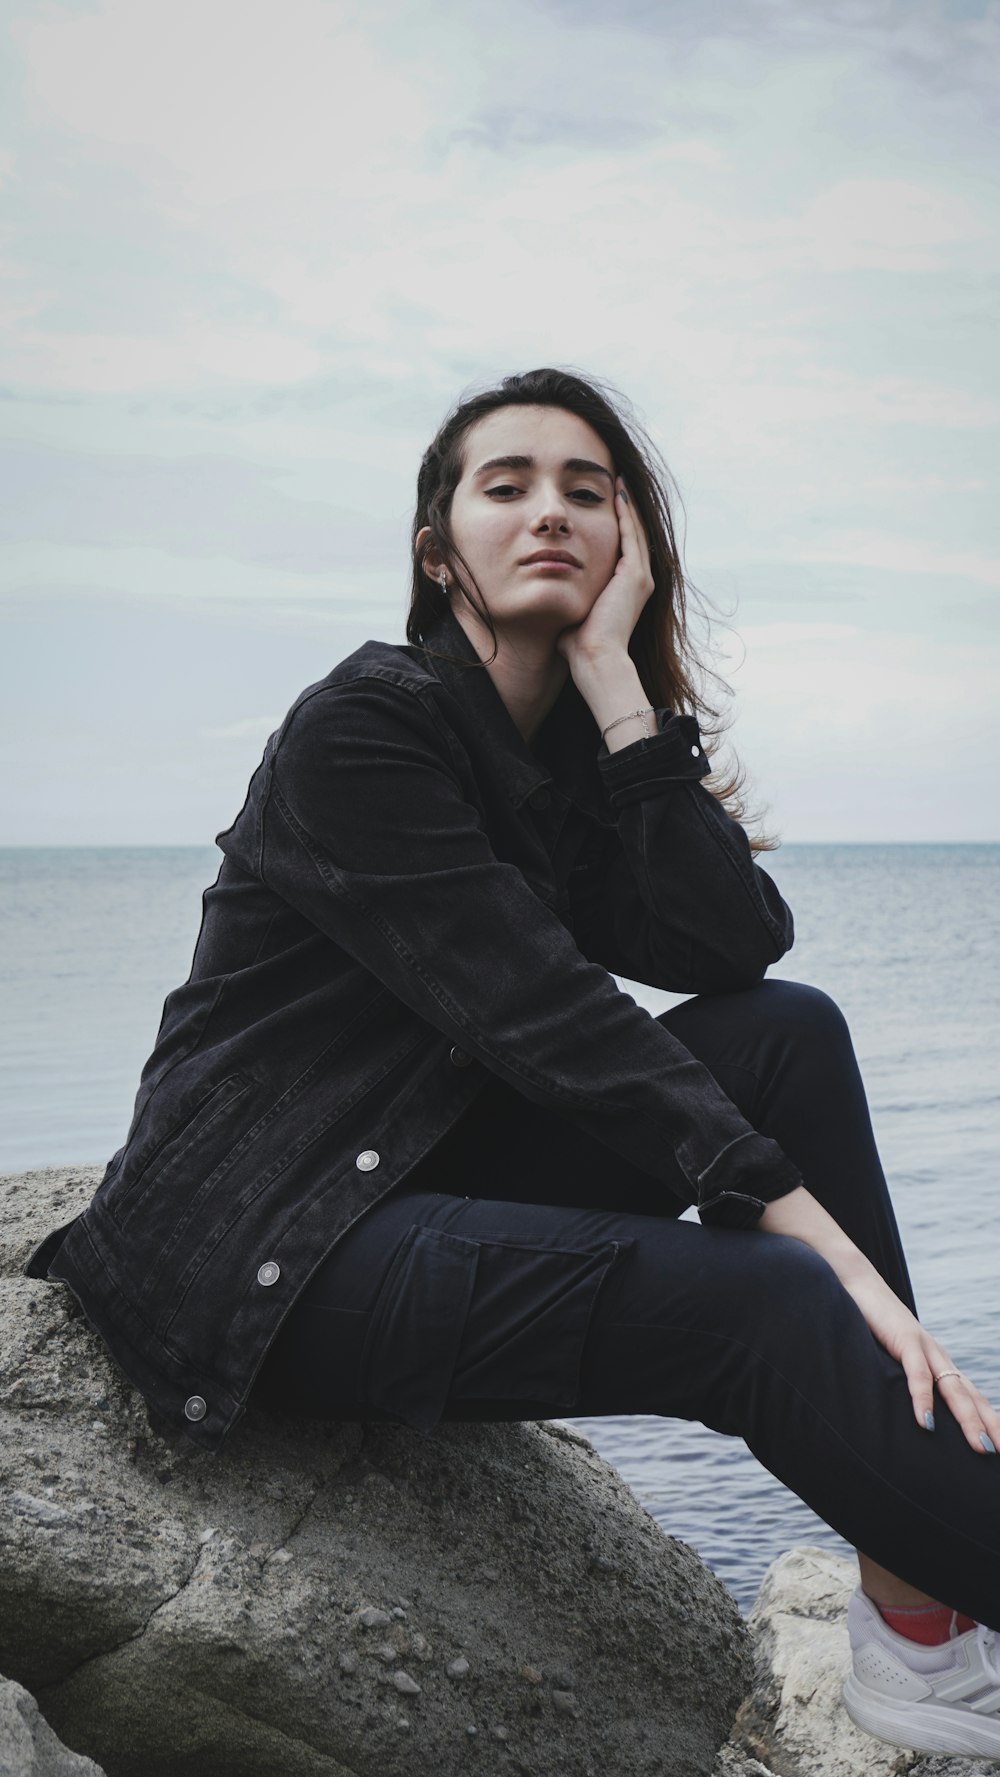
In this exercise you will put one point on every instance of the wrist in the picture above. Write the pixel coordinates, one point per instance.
(799, 1215)
(611, 687)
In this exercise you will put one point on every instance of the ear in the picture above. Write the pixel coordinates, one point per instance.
(432, 563)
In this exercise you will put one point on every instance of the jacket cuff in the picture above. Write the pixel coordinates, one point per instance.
(745, 1176)
(674, 754)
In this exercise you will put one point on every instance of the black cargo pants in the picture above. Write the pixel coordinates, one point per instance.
(524, 1271)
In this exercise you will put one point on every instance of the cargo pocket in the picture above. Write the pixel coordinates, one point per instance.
(481, 1320)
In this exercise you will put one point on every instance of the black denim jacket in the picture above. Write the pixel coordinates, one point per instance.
(410, 899)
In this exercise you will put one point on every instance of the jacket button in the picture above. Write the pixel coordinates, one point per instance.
(695, 752)
(367, 1161)
(458, 1058)
(269, 1273)
(539, 799)
(195, 1408)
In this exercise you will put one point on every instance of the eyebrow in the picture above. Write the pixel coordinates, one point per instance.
(576, 465)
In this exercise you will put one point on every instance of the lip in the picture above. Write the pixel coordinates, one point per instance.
(551, 557)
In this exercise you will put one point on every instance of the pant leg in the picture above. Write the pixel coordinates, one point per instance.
(437, 1307)
(782, 1052)
(750, 1333)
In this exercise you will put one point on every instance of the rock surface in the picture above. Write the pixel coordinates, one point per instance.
(793, 1720)
(341, 1599)
(28, 1747)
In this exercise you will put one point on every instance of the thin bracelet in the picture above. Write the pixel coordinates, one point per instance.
(648, 711)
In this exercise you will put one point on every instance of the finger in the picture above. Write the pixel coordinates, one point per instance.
(627, 515)
(626, 518)
(921, 1385)
(973, 1413)
(990, 1415)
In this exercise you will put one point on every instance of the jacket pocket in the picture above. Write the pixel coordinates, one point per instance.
(192, 1138)
(466, 1319)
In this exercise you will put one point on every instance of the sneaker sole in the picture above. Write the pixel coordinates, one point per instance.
(922, 1727)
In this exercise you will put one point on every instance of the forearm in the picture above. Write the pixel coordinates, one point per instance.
(799, 1214)
(610, 686)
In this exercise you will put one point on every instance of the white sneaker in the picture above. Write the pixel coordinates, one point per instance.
(931, 1699)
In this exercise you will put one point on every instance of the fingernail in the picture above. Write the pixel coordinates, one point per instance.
(987, 1443)
(624, 495)
(929, 1420)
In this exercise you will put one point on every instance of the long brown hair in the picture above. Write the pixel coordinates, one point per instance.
(669, 667)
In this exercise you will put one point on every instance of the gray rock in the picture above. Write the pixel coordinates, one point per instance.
(941, 1765)
(733, 1763)
(180, 1615)
(28, 1747)
(794, 1720)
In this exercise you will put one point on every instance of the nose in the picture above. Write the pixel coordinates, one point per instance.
(552, 510)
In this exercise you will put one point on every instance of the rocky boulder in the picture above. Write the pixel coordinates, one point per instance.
(331, 1598)
(28, 1747)
(793, 1721)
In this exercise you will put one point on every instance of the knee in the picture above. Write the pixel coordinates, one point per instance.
(807, 1304)
(803, 1012)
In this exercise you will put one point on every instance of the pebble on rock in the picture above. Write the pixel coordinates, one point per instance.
(457, 1668)
(565, 1702)
(403, 1682)
(373, 1618)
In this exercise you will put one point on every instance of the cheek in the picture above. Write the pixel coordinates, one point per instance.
(482, 536)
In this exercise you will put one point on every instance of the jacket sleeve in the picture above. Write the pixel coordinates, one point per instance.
(676, 900)
(369, 833)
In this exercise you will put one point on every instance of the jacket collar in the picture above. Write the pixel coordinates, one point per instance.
(564, 750)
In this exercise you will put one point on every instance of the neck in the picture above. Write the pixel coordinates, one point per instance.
(528, 672)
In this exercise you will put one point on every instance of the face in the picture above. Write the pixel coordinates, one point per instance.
(558, 497)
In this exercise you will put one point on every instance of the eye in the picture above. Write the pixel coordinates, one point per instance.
(586, 495)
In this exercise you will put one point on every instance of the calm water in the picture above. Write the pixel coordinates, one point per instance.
(906, 938)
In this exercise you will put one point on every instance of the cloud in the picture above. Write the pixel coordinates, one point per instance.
(860, 734)
(201, 506)
(253, 255)
(887, 225)
(907, 555)
(300, 93)
(250, 728)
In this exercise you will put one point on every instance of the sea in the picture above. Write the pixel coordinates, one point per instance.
(905, 937)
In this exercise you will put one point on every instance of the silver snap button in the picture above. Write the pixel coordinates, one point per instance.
(269, 1273)
(695, 752)
(367, 1161)
(458, 1058)
(195, 1408)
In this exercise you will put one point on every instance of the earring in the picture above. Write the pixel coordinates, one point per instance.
(443, 577)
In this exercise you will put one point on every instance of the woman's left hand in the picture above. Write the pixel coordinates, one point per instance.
(608, 626)
(890, 1321)
(925, 1362)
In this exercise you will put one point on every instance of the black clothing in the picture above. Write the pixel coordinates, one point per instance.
(411, 901)
(522, 1271)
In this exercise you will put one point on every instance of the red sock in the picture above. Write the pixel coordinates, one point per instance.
(930, 1624)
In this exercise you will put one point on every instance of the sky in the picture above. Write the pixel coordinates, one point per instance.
(251, 253)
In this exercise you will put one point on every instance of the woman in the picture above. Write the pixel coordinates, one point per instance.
(403, 1148)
